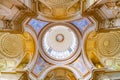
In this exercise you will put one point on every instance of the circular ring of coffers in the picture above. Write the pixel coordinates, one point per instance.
(11, 45)
(59, 43)
(108, 44)
(17, 49)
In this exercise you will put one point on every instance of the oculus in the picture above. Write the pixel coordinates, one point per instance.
(59, 41)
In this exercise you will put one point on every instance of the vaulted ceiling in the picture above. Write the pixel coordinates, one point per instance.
(59, 39)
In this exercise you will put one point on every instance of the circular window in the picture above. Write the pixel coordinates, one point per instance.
(59, 41)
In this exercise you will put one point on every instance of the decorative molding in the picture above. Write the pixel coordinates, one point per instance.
(101, 74)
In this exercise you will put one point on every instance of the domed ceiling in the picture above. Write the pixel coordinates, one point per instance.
(59, 40)
(60, 74)
(59, 9)
(14, 48)
(105, 46)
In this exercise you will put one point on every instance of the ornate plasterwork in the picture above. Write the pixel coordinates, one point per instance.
(105, 48)
(13, 15)
(11, 45)
(110, 24)
(17, 75)
(14, 49)
(104, 74)
(59, 43)
(108, 44)
(9, 8)
(19, 19)
(106, 14)
(59, 9)
(101, 48)
(60, 74)
(111, 21)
